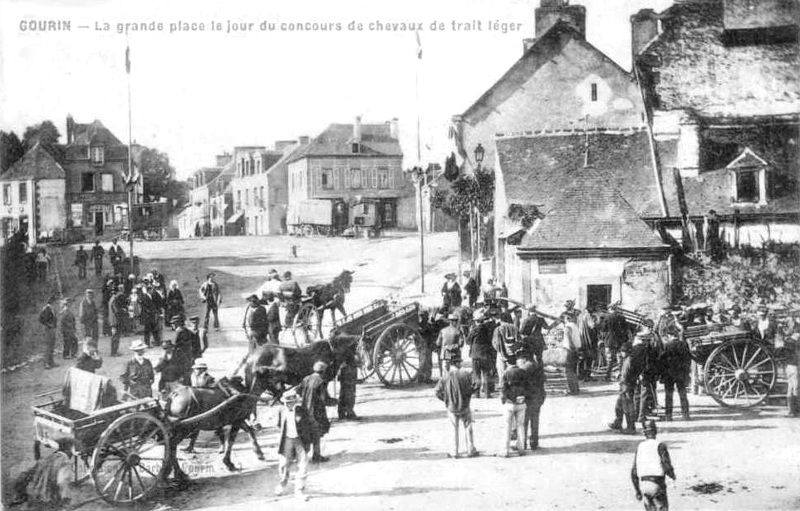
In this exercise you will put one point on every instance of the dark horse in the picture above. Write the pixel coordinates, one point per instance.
(331, 296)
(187, 402)
(275, 368)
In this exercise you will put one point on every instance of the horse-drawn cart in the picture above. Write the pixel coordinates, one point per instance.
(390, 340)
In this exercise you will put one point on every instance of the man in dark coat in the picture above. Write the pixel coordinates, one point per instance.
(81, 260)
(535, 395)
(290, 293)
(117, 316)
(347, 376)
(97, 257)
(429, 332)
(200, 336)
(531, 335)
(139, 374)
(48, 319)
(615, 330)
(149, 317)
(450, 342)
(472, 290)
(69, 333)
(481, 352)
(255, 323)
(314, 391)
(172, 369)
(89, 360)
(628, 381)
(273, 318)
(185, 347)
(87, 313)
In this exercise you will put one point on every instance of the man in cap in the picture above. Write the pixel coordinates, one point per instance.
(314, 392)
(81, 260)
(455, 389)
(651, 465)
(479, 340)
(173, 371)
(87, 313)
(628, 381)
(200, 376)
(514, 387)
(89, 359)
(294, 443)
(211, 296)
(48, 319)
(471, 289)
(117, 316)
(505, 342)
(254, 323)
(290, 292)
(450, 341)
(69, 333)
(200, 336)
(139, 375)
(97, 257)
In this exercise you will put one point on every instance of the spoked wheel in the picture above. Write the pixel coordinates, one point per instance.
(307, 326)
(307, 230)
(740, 374)
(131, 457)
(396, 356)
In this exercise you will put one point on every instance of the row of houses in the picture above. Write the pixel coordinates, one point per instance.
(349, 175)
(599, 169)
(77, 187)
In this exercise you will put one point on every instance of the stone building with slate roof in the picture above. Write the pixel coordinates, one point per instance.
(34, 198)
(722, 81)
(195, 221)
(259, 192)
(584, 237)
(357, 170)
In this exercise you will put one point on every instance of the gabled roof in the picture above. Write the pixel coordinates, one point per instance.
(747, 160)
(536, 167)
(37, 163)
(540, 52)
(93, 133)
(590, 214)
(336, 140)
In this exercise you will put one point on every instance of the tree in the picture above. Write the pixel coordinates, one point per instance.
(11, 150)
(156, 171)
(44, 132)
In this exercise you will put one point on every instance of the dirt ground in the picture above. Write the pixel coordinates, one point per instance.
(395, 457)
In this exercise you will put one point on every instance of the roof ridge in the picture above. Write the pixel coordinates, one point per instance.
(560, 132)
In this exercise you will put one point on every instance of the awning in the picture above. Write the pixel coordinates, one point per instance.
(235, 218)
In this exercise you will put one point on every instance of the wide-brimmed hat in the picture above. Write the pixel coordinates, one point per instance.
(200, 364)
(138, 346)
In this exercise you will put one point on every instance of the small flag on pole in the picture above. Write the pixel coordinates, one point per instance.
(128, 59)
(419, 46)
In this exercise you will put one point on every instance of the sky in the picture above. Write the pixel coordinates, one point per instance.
(199, 91)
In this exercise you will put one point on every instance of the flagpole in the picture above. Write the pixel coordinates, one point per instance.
(421, 179)
(132, 185)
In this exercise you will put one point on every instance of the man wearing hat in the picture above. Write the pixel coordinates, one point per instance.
(651, 465)
(200, 376)
(314, 392)
(294, 442)
(185, 353)
(69, 333)
(764, 329)
(455, 389)
(210, 295)
(628, 381)
(513, 390)
(471, 289)
(89, 359)
(736, 320)
(450, 341)
(271, 285)
(273, 318)
(200, 336)
(97, 257)
(47, 318)
(479, 340)
(290, 292)
(117, 317)
(531, 335)
(505, 342)
(451, 292)
(172, 369)
(139, 375)
(81, 260)
(87, 312)
(645, 353)
(255, 323)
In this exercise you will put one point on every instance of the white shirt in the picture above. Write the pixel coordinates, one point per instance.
(648, 462)
(291, 425)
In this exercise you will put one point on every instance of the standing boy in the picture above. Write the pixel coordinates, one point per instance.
(651, 465)
(455, 389)
(347, 376)
(68, 332)
(294, 443)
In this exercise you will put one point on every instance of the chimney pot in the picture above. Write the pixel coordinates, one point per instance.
(644, 27)
(303, 140)
(357, 129)
(394, 128)
(552, 11)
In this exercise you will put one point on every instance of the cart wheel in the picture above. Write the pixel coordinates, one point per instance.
(307, 326)
(396, 357)
(740, 373)
(131, 457)
(307, 230)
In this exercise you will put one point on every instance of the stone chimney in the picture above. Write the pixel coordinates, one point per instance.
(224, 159)
(552, 11)
(303, 140)
(70, 129)
(688, 147)
(644, 27)
(394, 128)
(357, 129)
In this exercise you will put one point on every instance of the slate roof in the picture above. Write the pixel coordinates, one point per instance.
(37, 163)
(539, 53)
(536, 168)
(336, 140)
(590, 214)
(93, 133)
(698, 70)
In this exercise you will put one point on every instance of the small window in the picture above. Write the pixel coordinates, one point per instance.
(258, 166)
(337, 179)
(374, 174)
(239, 169)
(87, 182)
(346, 181)
(391, 178)
(6, 194)
(247, 197)
(364, 178)
(108, 182)
(747, 187)
(594, 92)
(239, 199)
(97, 155)
(326, 180)
(356, 178)
(23, 193)
(552, 265)
(383, 178)
(356, 148)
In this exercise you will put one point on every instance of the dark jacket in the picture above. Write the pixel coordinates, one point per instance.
(314, 391)
(451, 297)
(138, 378)
(505, 340)
(68, 325)
(48, 317)
(535, 393)
(255, 319)
(455, 389)
(514, 385)
(88, 313)
(479, 340)
(171, 371)
(290, 290)
(85, 362)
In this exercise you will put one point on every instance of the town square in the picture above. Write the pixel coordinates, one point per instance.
(537, 254)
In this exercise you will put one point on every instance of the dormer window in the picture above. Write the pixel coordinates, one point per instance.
(749, 173)
(356, 147)
(98, 157)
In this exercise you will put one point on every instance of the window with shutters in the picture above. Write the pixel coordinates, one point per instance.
(374, 173)
(326, 179)
(356, 178)
(346, 181)
(336, 179)
(98, 156)
(391, 178)
(6, 195)
(23, 193)
(383, 178)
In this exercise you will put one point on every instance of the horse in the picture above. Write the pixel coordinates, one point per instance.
(187, 402)
(274, 368)
(331, 296)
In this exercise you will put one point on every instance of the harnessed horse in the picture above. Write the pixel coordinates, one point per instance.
(331, 296)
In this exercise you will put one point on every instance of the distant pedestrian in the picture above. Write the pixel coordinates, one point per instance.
(347, 376)
(586, 330)
(455, 388)
(69, 334)
(174, 301)
(42, 264)
(89, 360)
(87, 313)
(290, 293)
(97, 258)
(451, 293)
(185, 346)
(514, 387)
(531, 335)
(296, 437)
(81, 260)
(429, 334)
(651, 465)
(625, 405)
(210, 295)
(450, 342)
(314, 391)
(200, 341)
(471, 289)
(48, 319)
(149, 315)
(115, 256)
(139, 374)
(506, 343)
(572, 344)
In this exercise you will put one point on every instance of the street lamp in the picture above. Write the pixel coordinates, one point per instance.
(417, 175)
(475, 224)
(479, 154)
